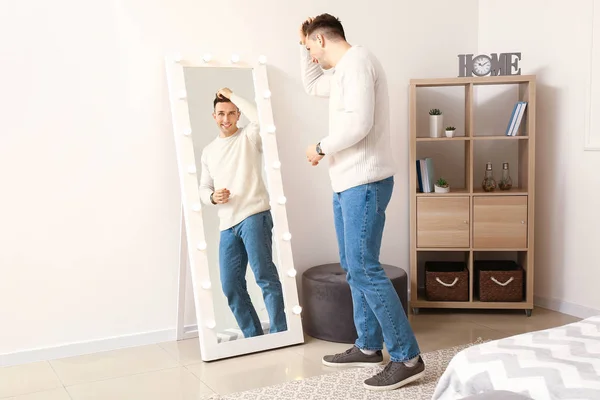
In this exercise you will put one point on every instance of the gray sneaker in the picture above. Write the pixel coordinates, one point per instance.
(395, 375)
(353, 358)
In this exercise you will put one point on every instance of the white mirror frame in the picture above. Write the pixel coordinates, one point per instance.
(210, 348)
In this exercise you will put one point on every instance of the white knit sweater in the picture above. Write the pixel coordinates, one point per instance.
(358, 144)
(235, 163)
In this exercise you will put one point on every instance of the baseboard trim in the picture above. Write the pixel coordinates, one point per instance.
(190, 332)
(564, 307)
(89, 347)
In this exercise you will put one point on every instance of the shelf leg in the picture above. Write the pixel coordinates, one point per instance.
(528, 312)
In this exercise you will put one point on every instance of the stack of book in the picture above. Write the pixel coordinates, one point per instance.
(425, 175)
(515, 118)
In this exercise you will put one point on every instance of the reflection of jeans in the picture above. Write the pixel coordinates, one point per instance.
(359, 214)
(250, 240)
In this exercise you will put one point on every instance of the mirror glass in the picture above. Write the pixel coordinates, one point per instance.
(246, 286)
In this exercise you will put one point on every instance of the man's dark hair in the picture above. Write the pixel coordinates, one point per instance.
(325, 24)
(220, 99)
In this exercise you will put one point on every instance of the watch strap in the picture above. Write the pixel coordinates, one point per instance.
(319, 151)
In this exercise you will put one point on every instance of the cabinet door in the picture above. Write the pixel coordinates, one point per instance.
(500, 222)
(443, 222)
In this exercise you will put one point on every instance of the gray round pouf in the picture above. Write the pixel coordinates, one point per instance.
(327, 311)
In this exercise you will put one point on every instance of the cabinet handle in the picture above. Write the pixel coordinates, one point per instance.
(523, 222)
(465, 222)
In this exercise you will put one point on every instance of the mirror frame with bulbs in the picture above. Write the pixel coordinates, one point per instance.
(193, 236)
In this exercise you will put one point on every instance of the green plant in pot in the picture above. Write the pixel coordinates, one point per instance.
(450, 131)
(436, 123)
(442, 186)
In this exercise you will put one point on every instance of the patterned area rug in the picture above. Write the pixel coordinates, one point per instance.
(348, 383)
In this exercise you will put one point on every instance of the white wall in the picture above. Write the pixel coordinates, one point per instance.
(90, 211)
(555, 38)
(90, 206)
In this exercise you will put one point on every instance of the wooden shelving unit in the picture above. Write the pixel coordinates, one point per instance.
(468, 223)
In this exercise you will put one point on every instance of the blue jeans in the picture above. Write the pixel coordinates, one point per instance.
(251, 241)
(359, 214)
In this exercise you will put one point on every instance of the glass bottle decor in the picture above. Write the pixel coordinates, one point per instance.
(506, 181)
(488, 184)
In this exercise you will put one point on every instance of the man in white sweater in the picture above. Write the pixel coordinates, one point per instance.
(361, 169)
(232, 163)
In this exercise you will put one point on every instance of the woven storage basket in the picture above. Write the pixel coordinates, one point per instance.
(499, 281)
(446, 281)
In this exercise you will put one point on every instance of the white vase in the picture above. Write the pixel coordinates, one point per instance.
(439, 189)
(436, 123)
(449, 133)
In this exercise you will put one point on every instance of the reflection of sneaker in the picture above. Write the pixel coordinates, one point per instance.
(396, 375)
(353, 358)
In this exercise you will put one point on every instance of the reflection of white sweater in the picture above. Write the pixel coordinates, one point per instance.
(358, 143)
(235, 163)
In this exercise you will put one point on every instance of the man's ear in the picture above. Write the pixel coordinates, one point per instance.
(321, 40)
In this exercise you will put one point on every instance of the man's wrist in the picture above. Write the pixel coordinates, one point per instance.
(211, 198)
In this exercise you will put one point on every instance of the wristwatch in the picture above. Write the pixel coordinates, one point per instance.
(211, 199)
(319, 151)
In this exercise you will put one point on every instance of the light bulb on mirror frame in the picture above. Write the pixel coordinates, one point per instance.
(211, 324)
(201, 246)
(207, 57)
(267, 94)
(177, 57)
(187, 132)
(282, 200)
(191, 169)
(271, 129)
(262, 59)
(292, 273)
(182, 94)
(206, 285)
(276, 164)
(287, 236)
(297, 310)
(235, 58)
(196, 207)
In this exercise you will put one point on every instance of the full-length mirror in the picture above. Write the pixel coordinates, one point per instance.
(242, 271)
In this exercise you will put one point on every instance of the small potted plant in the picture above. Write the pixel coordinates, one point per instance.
(442, 186)
(450, 131)
(436, 123)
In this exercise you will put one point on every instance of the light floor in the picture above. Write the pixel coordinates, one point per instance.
(174, 370)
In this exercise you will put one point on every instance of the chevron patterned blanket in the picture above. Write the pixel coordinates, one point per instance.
(558, 363)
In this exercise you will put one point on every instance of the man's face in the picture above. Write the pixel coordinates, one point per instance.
(227, 115)
(317, 51)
